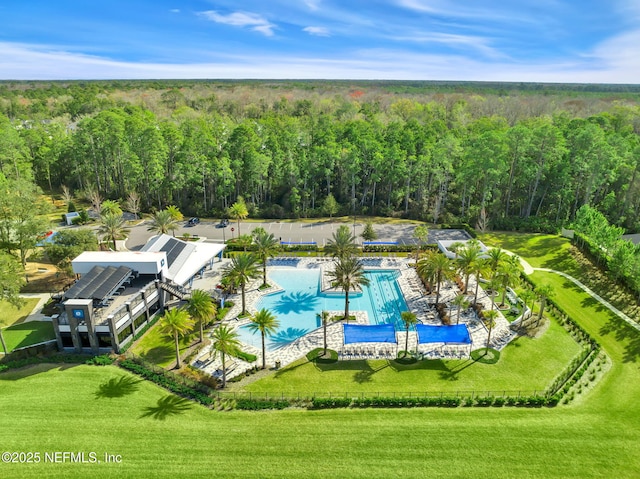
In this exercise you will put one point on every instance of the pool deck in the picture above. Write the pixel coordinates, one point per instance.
(415, 296)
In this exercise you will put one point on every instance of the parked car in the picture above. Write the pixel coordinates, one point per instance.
(224, 222)
(193, 221)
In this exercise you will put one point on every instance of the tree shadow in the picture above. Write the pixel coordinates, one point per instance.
(452, 374)
(169, 405)
(160, 354)
(118, 387)
(285, 337)
(624, 334)
(296, 302)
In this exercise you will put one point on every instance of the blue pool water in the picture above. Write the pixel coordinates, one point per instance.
(297, 307)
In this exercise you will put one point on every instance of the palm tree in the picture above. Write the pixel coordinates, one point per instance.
(507, 275)
(466, 258)
(441, 268)
(425, 269)
(112, 227)
(409, 319)
(421, 233)
(461, 302)
(348, 275)
(243, 268)
(265, 322)
(176, 322)
(201, 307)
(544, 292)
(495, 258)
(342, 244)
(226, 342)
(238, 211)
(479, 268)
(163, 222)
(526, 295)
(267, 246)
(325, 317)
(489, 321)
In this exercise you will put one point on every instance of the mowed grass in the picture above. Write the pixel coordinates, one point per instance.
(9, 314)
(540, 250)
(160, 435)
(525, 365)
(25, 334)
(159, 348)
(106, 410)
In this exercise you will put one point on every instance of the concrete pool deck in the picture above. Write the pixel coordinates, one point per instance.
(414, 294)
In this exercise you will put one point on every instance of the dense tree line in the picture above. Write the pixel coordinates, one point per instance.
(502, 159)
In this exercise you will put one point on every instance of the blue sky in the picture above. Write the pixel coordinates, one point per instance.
(486, 40)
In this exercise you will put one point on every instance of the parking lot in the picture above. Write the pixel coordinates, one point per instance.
(296, 232)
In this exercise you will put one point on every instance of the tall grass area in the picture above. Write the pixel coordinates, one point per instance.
(107, 410)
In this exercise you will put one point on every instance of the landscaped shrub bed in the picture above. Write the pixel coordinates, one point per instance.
(171, 382)
(260, 404)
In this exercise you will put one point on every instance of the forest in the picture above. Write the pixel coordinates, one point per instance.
(495, 156)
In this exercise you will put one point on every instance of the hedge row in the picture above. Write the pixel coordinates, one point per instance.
(259, 404)
(55, 358)
(168, 382)
(410, 402)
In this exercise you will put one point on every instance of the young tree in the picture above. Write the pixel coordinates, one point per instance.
(201, 307)
(113, 227)
(409, 319)
(177, 323)
(342, 244)
(110, 207)
(544, 291)
(490, 322)
(348, 275)
(267, 246)
(162, 222)
(225, 342)
(466, 257)
(461, 302)
(421, 234)
(67, 196)
(266, 323)
(437, 266)
(238, 211)
(132, 204)
(330, 206)
(368, 233)
(325, 317)
(242, 269)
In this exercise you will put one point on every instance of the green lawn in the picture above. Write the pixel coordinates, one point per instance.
(9, 314)
(24, 334)
(540, 250)
(525, 365)
(105, 410)
(160, 348)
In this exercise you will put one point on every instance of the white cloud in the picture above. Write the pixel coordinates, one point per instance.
(476, 43)
(42, 62)
(312, 4)
(318, 31)
(242, 19)
(175, 10)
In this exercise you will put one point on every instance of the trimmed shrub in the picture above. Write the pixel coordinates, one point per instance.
(260, 404)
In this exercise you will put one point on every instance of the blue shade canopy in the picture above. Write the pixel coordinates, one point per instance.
(458, 334)
(380, 333)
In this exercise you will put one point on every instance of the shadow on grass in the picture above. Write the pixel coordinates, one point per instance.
(167, 406)
(160, 354)
(624, 334)
(33, 369)
(118, 387)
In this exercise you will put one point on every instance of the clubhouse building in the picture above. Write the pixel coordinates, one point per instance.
(118, 293)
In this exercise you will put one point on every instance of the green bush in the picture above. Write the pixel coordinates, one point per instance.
(102, 360)
(259, 404)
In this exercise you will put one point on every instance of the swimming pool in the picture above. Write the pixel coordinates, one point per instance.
(298, 305)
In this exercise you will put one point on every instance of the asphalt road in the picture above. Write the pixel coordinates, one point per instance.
(318, 232)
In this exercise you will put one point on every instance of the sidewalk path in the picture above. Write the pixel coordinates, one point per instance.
(36, 313)
(597, 297)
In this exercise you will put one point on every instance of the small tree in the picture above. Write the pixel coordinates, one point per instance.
(325, 317)
(421, 234)
(368, 233)
(110, 207)
(242, 269)
(201, 307)
(348, 275)
(490, 322)
(461, 302)
(544, 292)
(267, 246)
(177, 323)
(330, 206)
(238, 211)
(132, 204)
(225, 342)
(409, 319)
(267, 324)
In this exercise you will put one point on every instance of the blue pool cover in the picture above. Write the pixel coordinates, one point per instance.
(379, 333)
(458, 334)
